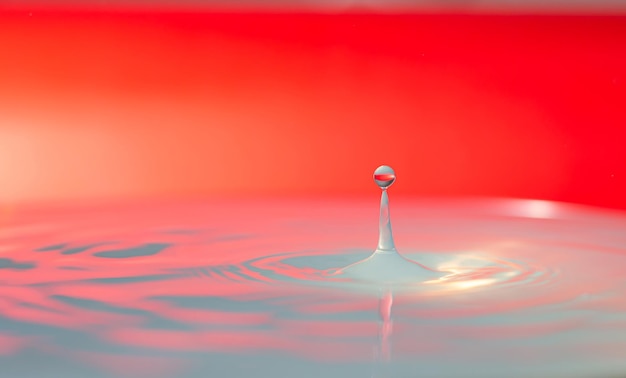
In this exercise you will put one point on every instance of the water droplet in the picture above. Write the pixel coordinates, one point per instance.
(384, 176)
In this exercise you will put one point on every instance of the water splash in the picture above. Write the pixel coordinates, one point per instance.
(386, 265)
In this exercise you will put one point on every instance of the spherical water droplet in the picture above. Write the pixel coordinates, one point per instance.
(384, 176)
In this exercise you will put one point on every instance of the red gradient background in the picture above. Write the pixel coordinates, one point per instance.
(135, 103)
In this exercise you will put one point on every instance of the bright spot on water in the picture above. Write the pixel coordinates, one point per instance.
(464, 285)
(537, 209)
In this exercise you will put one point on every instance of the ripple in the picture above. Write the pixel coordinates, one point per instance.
(142, 250)
(516, 288)
(6, 263)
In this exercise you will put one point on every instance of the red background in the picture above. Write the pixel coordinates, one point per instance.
(112, 103)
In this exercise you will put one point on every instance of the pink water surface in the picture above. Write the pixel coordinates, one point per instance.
(237, 288)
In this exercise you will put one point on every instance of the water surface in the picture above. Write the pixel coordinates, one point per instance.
(240, 289)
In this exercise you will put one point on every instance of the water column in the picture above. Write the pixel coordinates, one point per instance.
(384, 177)
(386, 266)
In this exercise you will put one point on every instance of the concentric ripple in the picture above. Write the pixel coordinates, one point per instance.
(188, 289)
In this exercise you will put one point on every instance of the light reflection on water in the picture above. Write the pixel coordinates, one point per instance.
(237, 288)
